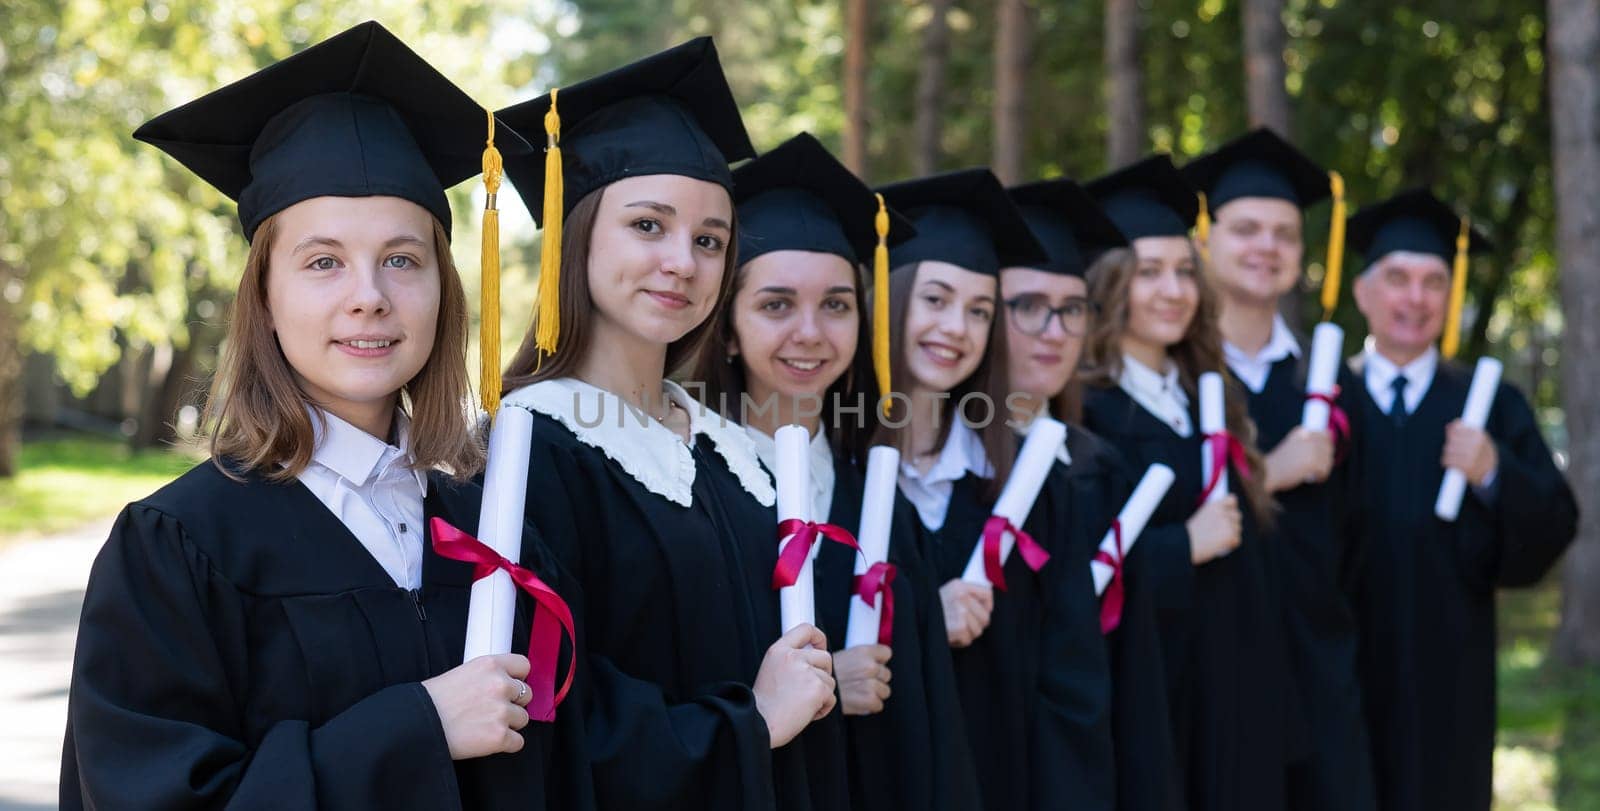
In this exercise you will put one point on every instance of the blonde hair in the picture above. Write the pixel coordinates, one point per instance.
(259, 417)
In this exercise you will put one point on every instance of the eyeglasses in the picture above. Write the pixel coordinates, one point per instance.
(1032, 314)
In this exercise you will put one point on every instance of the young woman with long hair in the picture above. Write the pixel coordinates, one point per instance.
(275, 629)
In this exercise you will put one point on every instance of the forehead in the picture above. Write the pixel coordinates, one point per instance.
(1163, 248)
(1411, 263)
(964, 282)
(352, 220)
(802, 270)
(691, 197)
(1018, 281)
(1265, 210)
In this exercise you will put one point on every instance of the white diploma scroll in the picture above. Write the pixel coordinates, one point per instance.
(1045, 436)
(797, 602)
(1480, 396)
(1212, 420)
(492, 610)
(1135, 515)
(877, 514)
(1327, 345)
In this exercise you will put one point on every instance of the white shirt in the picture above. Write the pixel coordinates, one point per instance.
(1160, 393)
(821, 468)
(930, 492)
(1252, 370)
(1381, 372)
(366, 484)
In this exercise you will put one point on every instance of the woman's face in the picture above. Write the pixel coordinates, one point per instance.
(353, 294)
(947, 325)
(1047, 315)
(795, 323)
(1164, 292)
(656, 256)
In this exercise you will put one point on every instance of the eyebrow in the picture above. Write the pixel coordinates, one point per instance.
(947, 288)
(669, 211)
(330, 242)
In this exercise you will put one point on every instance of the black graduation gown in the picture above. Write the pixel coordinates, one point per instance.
(1228, 681)
(681, 612)
(1426, 597)
(239, 647)
(1092, 491)
(914, 754)
(1311, 563)
(1038, 733)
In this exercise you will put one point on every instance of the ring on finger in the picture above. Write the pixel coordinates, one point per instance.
(522, 692)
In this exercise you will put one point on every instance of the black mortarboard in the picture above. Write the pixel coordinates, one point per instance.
(1414, 221)
(357, 115)
(1149, 198)
(667, 114)
(964, 218)
(1067, 221)
(1258, 164)
(798, 197)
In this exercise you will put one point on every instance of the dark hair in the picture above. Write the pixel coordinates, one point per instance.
(991, 379)
(1199, 351)
(257, 413)
(725, 383)
(530, 365)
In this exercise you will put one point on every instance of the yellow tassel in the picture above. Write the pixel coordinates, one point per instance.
(1202, 229)
(489, 267)
(1331, 281)
(1451, 344)
(548, 319)
(880, 303)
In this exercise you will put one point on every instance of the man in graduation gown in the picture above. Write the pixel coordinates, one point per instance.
(1426, 597)
(1257, 187)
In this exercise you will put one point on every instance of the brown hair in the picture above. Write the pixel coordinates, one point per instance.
(259, 414)
(1199, 351)
(725, 383)
(1067, 405)
(991, 379)
(530, 365)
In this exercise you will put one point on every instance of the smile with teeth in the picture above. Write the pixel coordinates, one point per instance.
(941, 352)
(801, 365)
(365, 344)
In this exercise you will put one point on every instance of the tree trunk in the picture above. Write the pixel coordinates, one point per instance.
(10, 375)
(1124, 88)
(1013, 52)
(1264, 41)
(930, 87)
(858, 36)
(1574, 44)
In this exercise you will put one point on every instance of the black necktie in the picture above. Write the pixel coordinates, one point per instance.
(1397, 409)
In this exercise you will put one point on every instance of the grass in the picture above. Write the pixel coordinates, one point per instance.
(66, 481)
(1547, 755)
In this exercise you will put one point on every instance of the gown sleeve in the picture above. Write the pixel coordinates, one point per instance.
(645, 750)
(1534, 513)
(155, 715)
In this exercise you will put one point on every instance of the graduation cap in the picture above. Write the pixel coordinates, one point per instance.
(1067, 221)
(667, 114)
(964, 218)
(1149, 198)
(1262, 164)
(1419, 222)
(798, 197)
(357, 115)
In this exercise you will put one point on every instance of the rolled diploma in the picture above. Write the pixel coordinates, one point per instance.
(1212, 420)
(492, 609)
(1135, 515)
(1327, 344)
(797, 602)
(1480, 396)
(1045, 435)
(877, 513)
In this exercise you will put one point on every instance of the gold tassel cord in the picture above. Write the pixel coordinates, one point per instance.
(880, 303)
(1451, 343)
(1202, 229)
(1332, 279)
(489, 278)
(548, 319)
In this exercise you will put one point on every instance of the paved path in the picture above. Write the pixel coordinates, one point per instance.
(41, 592)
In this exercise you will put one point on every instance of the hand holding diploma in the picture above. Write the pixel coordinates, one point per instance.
(1474, 415)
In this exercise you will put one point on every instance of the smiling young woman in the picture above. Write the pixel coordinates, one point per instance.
(274, 628)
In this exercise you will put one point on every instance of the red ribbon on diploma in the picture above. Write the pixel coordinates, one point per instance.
(1225, 447)
(549, 619)
(1032, 553)
(868, 586)
(794, 553)
(1111, 601)
(1338, 423)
